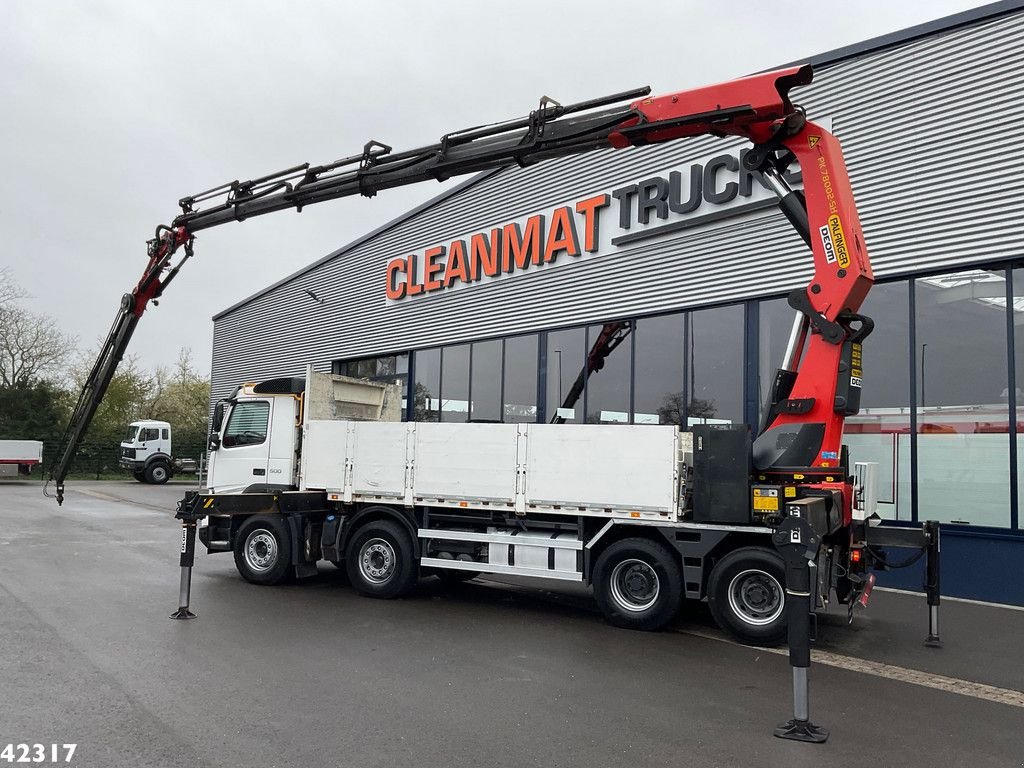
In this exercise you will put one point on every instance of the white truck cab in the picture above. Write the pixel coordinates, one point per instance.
(257, 432)
(146, 451)
(254, 441)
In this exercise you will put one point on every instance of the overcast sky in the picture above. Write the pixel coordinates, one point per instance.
(112, 111)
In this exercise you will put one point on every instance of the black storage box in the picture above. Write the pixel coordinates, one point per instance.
(721, 474)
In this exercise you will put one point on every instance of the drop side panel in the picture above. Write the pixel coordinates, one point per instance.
(476, 462)
(325, 455)
(378, 459)
(603, 470)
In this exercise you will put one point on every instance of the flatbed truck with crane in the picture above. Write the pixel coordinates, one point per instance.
(649, 515)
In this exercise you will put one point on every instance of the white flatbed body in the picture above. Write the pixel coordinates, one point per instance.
(610, 471)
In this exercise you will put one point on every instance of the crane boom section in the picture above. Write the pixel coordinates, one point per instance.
(756, 107)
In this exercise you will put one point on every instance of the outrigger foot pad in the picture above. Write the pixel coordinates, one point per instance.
(802, 730)
(933, 641)
(182, 614)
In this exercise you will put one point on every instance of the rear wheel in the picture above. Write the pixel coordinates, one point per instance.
(380, 560)
(638, 584)
(747, 595)
(158, 473)
(263, 550)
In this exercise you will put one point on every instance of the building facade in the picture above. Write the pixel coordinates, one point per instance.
(486, 302)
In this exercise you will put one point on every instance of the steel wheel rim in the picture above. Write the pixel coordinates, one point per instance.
(377, 561)
(756, 597)
(260, 550)
(635, 585)
(159, 473)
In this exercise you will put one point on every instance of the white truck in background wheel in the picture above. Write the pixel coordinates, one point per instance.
(146, 453)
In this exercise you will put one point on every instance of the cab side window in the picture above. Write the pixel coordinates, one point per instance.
(247, 424)
(150, 433)
(166, 433)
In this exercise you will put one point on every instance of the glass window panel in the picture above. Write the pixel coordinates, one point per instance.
(247, 424)
(427, 405)
(881, 431)
(775, 321)
(608, 382)
(962, 414)
(486, 385)
(716, 365)
(520, 379)
(455, 383)
(566, 351)
(658, 385)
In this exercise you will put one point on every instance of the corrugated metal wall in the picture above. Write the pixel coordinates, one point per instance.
(932, 132)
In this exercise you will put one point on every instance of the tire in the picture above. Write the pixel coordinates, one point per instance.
(262, 550)
(638, 584)
(747, 596)
(380, 560)
(139, 475)
(158, 473)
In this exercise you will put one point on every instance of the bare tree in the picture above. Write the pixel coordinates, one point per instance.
(31, 345)
(10, 291)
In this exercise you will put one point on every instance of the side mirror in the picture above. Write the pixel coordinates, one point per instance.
(214, 442)
(218, 415)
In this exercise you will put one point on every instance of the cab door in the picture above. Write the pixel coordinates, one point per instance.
(242, 457)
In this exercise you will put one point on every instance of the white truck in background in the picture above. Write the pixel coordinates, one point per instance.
(18, 457)
(146, 453)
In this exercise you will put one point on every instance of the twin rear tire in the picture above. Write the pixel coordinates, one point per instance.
(638, 584)
(747, 596)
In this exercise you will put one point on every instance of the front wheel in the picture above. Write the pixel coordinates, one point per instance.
(157, 473)
(638, 584)
(380, 560)
(263, 550)
(747, 595)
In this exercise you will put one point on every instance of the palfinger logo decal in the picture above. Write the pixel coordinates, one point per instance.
(833, 239)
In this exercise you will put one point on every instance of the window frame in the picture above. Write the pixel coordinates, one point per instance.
(265, 404)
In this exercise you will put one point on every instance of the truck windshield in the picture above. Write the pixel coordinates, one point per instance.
(130, 435)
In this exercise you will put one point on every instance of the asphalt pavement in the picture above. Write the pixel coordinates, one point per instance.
(487, 673)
